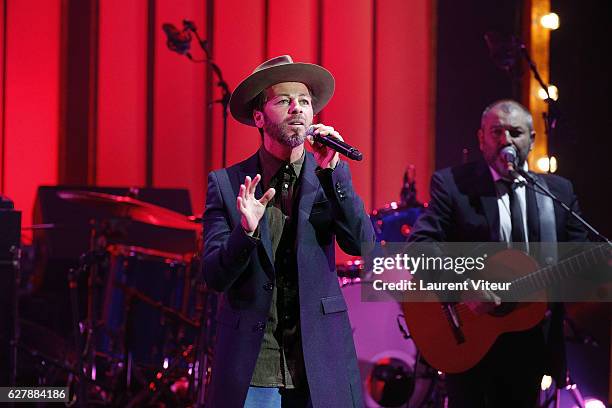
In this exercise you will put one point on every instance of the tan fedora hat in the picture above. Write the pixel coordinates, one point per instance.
(277, 70)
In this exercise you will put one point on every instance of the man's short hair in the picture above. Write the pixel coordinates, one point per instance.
(506, 106)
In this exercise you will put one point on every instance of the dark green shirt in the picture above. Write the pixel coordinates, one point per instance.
(280, 362)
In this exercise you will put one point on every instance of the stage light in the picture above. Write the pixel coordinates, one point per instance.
(550, 21)
(553, 91)
(592, 403)
(546, 164)
(546, 382)
(553, 164)
(543, 164)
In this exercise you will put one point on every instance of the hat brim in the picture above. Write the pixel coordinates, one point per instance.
(318, 79)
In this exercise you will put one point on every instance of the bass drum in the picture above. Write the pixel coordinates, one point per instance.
(161, 277)
(386, 358)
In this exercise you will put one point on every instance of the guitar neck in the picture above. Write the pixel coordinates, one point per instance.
(554, 274)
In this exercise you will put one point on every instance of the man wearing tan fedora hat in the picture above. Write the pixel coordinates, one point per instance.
(270, 226)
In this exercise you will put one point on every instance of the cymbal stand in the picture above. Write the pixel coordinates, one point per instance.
(76, 332)
(127, 343)
(16, 264)
(202, 364)
(88, 263)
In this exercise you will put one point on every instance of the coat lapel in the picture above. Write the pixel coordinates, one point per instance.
(488, 200)
(308, 191)
(533, 225)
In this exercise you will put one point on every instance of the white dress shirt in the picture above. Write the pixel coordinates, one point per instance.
(503, 203)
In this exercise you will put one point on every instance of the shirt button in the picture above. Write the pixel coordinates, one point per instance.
(287, 166)
(286, 185)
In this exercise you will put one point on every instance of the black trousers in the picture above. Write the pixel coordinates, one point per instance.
(508, 376)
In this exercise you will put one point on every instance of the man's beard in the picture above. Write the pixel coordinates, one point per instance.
(282, 134)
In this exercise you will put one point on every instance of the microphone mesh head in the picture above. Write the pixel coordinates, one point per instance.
(509, 154)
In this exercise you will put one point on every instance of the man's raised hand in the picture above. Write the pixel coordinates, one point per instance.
(252, 209)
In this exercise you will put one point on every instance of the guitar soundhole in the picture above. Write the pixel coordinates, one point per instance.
(504, 309)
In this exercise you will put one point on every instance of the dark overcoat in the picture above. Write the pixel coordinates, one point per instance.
(242, 269)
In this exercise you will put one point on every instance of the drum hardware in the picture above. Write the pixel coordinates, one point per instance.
(89, 264)
(392, 372)
(350, 270)
(393, 222)
(206, 302)
(15, 251)
(408, 193)
(178, 366)
(95, 263)
(165, 310)
(94, 373)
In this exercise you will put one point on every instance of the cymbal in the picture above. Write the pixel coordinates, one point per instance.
(131, 208)
(40, 227)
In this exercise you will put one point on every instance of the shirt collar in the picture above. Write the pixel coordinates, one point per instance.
(496, 176)
(270, 165)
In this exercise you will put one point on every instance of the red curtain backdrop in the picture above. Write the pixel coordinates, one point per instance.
(122, 93)
(30, 103)
(380, 52)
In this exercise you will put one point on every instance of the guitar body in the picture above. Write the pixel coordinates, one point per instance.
(453, 339)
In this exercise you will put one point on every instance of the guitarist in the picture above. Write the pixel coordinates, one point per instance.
(478, 202)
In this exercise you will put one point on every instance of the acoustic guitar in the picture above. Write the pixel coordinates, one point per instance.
(453, 339)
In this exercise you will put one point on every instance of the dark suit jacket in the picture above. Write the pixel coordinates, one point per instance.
(243, 270)
(463, 208)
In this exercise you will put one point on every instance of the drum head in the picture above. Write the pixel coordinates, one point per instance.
(386, 358)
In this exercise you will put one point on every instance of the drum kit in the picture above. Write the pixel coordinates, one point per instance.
(140, 326)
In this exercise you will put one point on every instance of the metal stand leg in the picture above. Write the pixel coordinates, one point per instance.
(76, 333)
(15, 340)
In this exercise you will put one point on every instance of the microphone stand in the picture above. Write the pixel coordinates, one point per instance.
(552, 116)
(537, 185)
(506, 51)
(225, 91)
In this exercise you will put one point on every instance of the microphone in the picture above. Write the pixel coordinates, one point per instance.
(335, 144)
(510, 156)
(177, 41)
